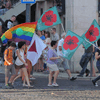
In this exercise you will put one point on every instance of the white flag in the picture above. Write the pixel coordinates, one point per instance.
(35, 49)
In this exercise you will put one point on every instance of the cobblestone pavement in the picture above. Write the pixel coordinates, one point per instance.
(80, 89)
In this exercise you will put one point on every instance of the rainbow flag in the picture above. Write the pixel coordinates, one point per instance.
(28, 31)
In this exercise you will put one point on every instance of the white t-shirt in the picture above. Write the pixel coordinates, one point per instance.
(47, 41)
(60, 44)
(55, 37)
(9, 24)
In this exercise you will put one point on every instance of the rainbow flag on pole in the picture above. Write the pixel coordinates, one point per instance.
(21, 32)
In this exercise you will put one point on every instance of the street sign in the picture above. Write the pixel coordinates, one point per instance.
(27, 1)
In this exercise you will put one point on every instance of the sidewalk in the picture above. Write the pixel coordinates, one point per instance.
(62, 74)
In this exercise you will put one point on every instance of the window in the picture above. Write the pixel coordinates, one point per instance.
(41, 11)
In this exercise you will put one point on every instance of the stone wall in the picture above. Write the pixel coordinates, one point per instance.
(79, 16)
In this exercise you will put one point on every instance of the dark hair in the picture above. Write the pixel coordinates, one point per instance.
(54, 29)
(48, 33)
(98, 42)
(21, 43)
(13, 44)
(13, 16)
(53, 43)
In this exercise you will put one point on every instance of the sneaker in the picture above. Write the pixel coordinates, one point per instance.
(80, 75)
(94, 83)
(7, 87)
(10, 85)
(87, 74)
(55, 84)
(25, 85)
(49, 85)
(73, 78)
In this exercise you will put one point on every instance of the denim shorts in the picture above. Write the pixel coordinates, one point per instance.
(63, 63)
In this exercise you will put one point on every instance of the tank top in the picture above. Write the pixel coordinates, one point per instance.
(18, 61)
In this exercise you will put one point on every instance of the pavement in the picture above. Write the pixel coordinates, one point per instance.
(80, 89)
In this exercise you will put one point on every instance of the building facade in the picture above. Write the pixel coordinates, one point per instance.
(78, 17)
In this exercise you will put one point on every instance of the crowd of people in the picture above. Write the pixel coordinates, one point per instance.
(5, 5)
(50, 60)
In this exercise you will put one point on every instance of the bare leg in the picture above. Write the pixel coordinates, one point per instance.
(69, 73)
(15, 76)
(50, 77)
(26, 75)
(56, 75)
(6, 80)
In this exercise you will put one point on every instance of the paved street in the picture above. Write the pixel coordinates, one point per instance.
(80, 89)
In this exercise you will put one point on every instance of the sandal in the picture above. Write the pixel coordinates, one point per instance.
(30, 86)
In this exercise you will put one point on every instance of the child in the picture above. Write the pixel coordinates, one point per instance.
(52, 64)
(8, 57)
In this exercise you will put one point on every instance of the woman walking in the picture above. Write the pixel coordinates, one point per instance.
(20, 62)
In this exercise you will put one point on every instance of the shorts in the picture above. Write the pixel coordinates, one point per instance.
(52, 67)
(63, 63)
(19, 66)
(9, 69)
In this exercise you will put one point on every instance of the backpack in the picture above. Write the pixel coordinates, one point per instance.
(14, 55)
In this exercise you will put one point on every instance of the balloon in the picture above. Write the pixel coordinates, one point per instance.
(19, 32)
(8, 35)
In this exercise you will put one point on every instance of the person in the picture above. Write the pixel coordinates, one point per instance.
(84, 61)
(65, 61)
(8, 5)
(43, 32)
(2, 4)
(9, 23)
(39, 33)
(20, 62)
(0, 29)
(54, 35)
(5, 26)
(9, 66)
(47, 42)
(93, 69)
(97, 56)
(47, 38)
(40, 61)
(52, 64)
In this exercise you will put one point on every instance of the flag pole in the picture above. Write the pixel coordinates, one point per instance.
(91, 44)
(63, 27)
(50, 48)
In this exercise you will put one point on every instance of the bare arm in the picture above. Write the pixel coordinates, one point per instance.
(60, 48)
(93, 49)
(0, 30)
(97, 56)
(54, 58)
(5, 57)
